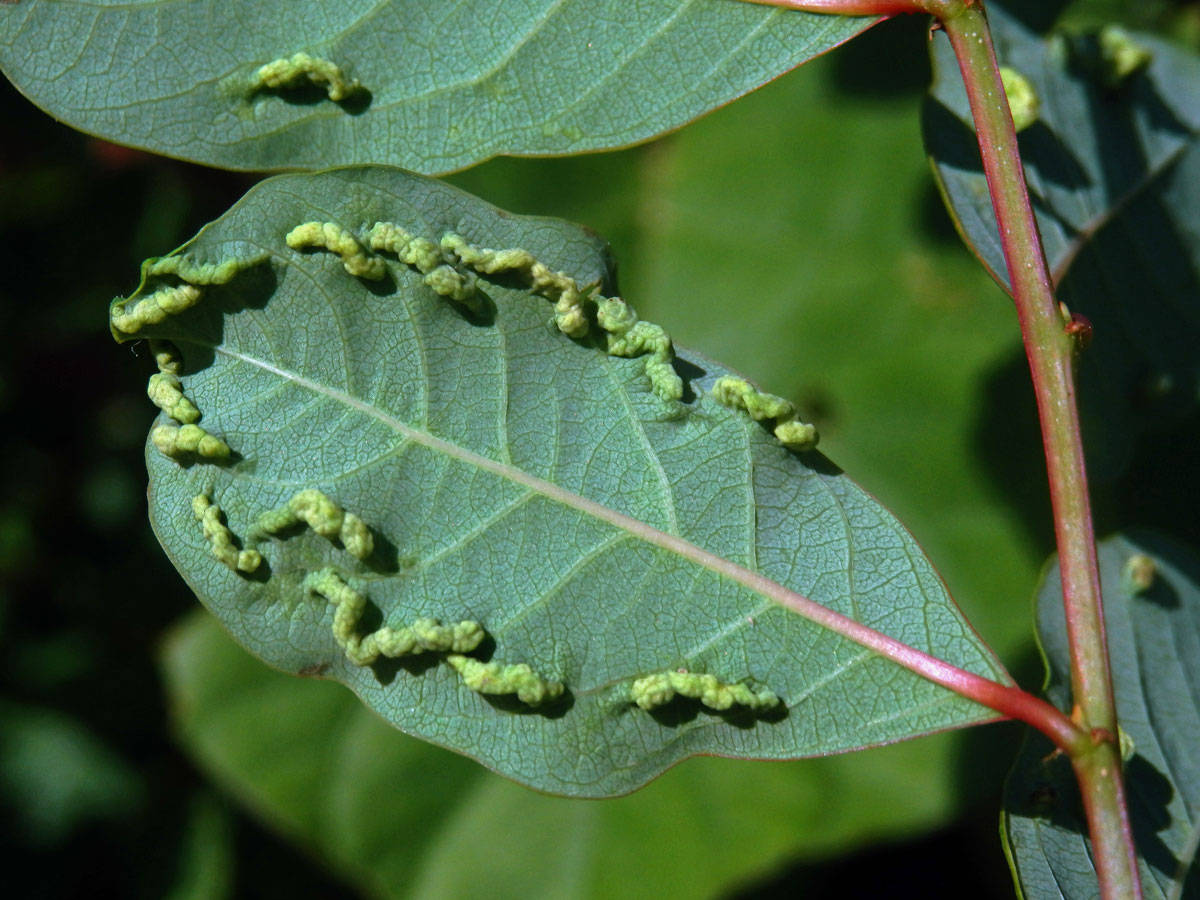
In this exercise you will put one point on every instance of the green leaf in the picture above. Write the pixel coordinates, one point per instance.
(535, 484)
(1112, 163)
(313, 763)
(439, 87)
(886, 333)
(55, 774)
(1152, 621)
(206, 863)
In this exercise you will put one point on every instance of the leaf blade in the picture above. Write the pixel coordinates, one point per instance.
(1111, 170)
(432, 427)
(312, 762)
(1153, 632)
(444, 88)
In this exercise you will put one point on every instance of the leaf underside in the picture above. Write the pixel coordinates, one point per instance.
(1113, 165)
(1153, 634)
(314, 764)
(438, 86)
(488, 452)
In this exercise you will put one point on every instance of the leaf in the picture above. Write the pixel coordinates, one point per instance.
(1112, 163)
(313, 763)
(441, 87)
(1152, 620)
(532, 483)
(206, 862)
(881, 330)
(56, 775)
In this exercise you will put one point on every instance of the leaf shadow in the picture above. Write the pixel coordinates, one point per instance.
(689, 372)
(683, 710)
(484, 316)
(251, 289)
(1042, 786)
(551, 709)
(308, 94)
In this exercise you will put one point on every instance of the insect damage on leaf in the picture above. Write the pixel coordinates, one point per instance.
(440, 265)
(737, 393)
(498, 678)
(1139, 574)
(324, 516)
(427, 258)
(153, 308)
(356, 259)
(220, 539)
(557, 287)
(629, 337)
(166, 392)
(660, 688)
(1023, 101)
(166, 357)
(183, 267)
(181, 441)
(172, 299)
(1120, 55)
(423, 635)
(300, 69)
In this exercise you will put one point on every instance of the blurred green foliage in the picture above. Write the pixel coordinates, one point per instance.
(865, 309)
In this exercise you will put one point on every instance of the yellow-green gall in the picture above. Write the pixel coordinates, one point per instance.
(539, 278)
(348, 603)
(183, 440)
(422, 636)
(1139, 574)
(166, 357)
(660, 688)
(185, 268)
(420, 253)
(1023, 101)
(166, 392)
(324, 516)
(497, 678)
(737, 393)
(629, 337)
(220, 538)
(1126, 743)
(453, 285)
(1121, 55)
(333, 237)
(153, 308)
(797, 435)
(299, 68)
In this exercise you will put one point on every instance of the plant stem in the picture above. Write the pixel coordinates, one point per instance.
(1050, 351)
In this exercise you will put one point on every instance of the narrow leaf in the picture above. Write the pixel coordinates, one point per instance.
(434, 87)
(1152, 620)
(1112, 159)
(542, 521)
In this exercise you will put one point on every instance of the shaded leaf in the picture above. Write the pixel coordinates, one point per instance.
(55, 774)
(314, 763)
(534, 484)
(1112, 165)
(441, 87)
(206, 864)
(1152, 619)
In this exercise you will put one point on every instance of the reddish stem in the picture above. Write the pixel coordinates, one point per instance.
(848, 7)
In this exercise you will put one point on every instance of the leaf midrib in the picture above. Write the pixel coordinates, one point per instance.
(748, 578)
